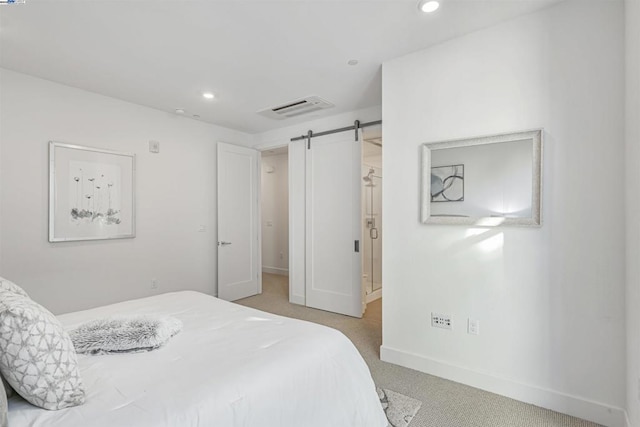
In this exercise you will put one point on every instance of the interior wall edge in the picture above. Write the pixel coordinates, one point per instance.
(632, 228)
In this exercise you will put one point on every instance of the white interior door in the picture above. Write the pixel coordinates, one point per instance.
(238, 238)
(333, 226)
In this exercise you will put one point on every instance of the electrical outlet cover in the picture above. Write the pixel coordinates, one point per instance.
(441, 321)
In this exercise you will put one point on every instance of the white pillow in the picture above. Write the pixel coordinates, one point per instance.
(7, 387)
(8, 285)
(37, 357)
(3, 407)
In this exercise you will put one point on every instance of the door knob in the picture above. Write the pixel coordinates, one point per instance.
(223, 243)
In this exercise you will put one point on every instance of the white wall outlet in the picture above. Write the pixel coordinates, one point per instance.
(473, 326)
(154, 283)
(154, 146)
(441, 321)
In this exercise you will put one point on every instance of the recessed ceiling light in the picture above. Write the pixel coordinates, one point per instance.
(353, 62)
(179, 110)
(428, 6)
(208, 95)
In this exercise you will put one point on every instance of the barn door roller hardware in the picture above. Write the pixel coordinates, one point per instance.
(356, 126)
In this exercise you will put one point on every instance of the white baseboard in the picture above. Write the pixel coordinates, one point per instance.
(557, 401)
(296, 299)
(377, 294)
(275, 270)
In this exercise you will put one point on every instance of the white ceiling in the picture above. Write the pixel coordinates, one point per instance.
(251, 54)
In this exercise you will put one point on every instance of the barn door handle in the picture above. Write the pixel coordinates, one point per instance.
(373, 233)
(357, 245)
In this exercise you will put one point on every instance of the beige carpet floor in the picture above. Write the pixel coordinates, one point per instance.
(444, 403)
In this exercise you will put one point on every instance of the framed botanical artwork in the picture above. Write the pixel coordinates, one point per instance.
(91, 193)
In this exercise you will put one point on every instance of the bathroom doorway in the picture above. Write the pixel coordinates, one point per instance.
(372, 214)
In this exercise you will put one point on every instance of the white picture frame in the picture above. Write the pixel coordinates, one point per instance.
(91, 193)
(533, 137)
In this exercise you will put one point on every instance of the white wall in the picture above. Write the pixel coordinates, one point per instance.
(176, 193)
(550, 300)
(275, 214)
(632, 13)
(297, 223)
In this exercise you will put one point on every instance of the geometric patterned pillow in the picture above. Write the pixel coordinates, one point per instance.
(8, 285)
(7, 387)
(37, 357)
(3, 407)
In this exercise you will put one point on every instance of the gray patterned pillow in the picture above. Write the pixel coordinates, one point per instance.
(8, 285)
(37, 357)
(3, 407)
(6, 386)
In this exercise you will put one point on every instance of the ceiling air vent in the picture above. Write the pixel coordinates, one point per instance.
(296, 108)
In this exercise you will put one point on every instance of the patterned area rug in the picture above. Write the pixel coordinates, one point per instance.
(400, 409)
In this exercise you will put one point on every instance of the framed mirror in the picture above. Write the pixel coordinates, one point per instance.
(485, 181)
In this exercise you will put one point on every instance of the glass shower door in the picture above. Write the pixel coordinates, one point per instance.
(372, 235)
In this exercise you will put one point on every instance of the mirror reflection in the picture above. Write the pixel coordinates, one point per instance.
(488, 177)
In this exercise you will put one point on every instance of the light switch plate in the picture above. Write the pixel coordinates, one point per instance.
(473, 326)
(154, 146)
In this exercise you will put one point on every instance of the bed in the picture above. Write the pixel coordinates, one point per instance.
(230, 366)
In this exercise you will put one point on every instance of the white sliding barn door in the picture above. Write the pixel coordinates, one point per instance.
(238, 251)
(333, 225)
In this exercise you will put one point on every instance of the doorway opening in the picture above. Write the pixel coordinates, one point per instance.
(321, 220)
(274, 207)
(372, 214)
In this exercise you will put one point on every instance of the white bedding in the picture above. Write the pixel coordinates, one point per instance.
(230, 366)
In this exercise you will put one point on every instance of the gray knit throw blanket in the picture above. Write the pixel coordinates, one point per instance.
(124, 334)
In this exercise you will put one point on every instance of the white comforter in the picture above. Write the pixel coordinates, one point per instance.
(230, 366)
